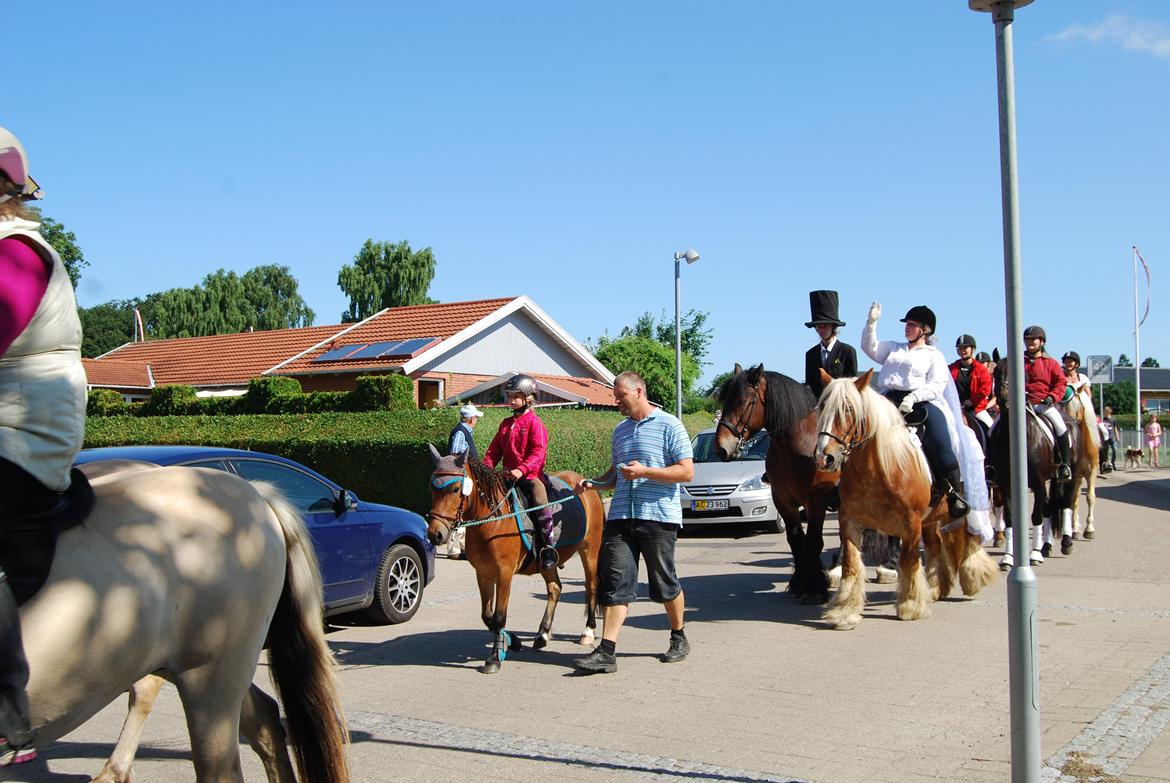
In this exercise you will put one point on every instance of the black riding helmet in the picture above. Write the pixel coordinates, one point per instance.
(1036, 331)
(1076, 357)
(965, 341)
(983, 357)
(520, 384)
(921, 314)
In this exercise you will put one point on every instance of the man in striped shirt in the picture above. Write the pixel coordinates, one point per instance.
(651, 456)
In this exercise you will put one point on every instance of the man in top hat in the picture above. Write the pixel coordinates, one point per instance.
(836, 358)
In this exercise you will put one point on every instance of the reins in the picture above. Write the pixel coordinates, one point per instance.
(456, 522)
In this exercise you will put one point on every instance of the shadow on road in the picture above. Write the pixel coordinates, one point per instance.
(38, 771)
(1154, 493)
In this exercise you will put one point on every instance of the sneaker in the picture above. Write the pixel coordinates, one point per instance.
(679, 649)
(15, 755)
(597, 662)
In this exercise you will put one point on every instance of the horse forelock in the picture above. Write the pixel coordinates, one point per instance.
(872, 418)
(786, 402)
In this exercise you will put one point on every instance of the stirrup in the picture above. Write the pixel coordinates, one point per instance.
(548, 559)
(1063, 472)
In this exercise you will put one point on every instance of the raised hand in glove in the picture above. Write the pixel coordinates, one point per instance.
(875, 312)
(906, 405)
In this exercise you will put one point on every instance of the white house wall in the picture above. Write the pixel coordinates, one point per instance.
(513, 343)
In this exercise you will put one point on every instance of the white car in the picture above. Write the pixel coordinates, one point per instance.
(735, 491)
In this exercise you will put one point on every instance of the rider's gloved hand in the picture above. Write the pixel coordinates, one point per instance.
(875, 312)
(907, 404)
(1049, 400)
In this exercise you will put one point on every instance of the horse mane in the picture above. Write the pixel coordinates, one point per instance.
(489, 483)
(786, 401)
(874, 417)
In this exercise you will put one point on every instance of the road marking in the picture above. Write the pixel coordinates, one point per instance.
(1120, 734)
(443, 736)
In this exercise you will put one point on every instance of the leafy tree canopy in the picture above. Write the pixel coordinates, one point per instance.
(1121, 397)
(386, 274)
(695, 339)
(64, 242)
(1150, 361)
(106, 326)
(650, 359)
(1124, 361)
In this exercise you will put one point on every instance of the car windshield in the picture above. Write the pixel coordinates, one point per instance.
(703, 447)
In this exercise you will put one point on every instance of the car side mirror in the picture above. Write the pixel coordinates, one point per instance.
(345, 502)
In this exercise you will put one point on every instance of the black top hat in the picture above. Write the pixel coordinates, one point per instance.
(824, 308)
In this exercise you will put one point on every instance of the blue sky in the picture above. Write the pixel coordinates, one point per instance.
(567, 150)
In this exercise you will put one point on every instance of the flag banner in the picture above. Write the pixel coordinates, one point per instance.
(1147, 268)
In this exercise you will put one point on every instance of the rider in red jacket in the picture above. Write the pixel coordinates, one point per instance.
(972, 380)
(521, 445)
(1044, 384)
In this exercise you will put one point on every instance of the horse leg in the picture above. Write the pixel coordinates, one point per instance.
(844, 612)
(939, 568)
(552, 583)
(913, 591)
(815, 582)
(260, 724)
(589, 560)
(213, 696)
(502, 641)
(1040, 493)
(976, 568)
(794, 534)
(142, 696)
(1090, 501)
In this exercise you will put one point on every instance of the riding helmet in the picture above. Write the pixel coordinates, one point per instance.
(1076, 357)
(965, 341)
(14, 164)
(983, 357)
(1036, 331)
(921, 314)
(520, 384)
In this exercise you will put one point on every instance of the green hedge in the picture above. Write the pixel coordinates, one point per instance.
(380, 455)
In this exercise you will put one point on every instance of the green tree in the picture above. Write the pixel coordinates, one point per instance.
(695, 339)
(271, 292)
(717, 384)
(64, 242)
(386, 274)
(106, 326)
(1150, 361)
(1124, 361)
(653, 361)
(1121, 397)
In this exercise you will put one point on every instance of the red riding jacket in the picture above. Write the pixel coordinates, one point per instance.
(980, 384)
(1043, 377)
(521, 443)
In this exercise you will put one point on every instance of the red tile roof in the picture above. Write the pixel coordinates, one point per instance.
(399, 323)
(594, 391)
(116, 373)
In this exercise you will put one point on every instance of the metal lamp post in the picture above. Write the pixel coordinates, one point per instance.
(1024, 675)
(691, 255)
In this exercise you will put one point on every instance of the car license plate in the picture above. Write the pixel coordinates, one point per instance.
(709, 505)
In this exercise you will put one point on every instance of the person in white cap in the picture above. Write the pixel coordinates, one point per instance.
(42, 417)
(462, 440)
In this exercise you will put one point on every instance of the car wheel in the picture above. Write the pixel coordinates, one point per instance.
(398, 591)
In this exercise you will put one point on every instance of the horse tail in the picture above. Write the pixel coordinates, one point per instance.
(301, 663)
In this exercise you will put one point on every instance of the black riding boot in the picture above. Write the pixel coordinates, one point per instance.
(1064, 457)
(15, 732)
(953, 488)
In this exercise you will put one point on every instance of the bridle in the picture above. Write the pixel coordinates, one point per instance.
(849, 443)
(452, 523)
(742, 430)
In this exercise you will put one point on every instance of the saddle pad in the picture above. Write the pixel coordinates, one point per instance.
(568, 518)
(1045, 427)
(29, 541)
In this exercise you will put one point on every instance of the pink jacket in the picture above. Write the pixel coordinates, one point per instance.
(521, 443)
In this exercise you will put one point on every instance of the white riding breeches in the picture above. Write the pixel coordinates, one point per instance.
(1052, 413)
(984, 417)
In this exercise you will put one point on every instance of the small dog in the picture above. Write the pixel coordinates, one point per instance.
(1133, 458)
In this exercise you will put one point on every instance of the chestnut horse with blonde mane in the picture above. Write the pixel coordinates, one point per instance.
(885, 486)
(464, 490)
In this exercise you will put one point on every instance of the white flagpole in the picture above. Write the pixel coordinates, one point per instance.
(1137, 351)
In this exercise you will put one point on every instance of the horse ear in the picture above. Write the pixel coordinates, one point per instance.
(995, 354)
(863, 381)
(435, 455)
(825, 377)
(758, 369)
(737, 369)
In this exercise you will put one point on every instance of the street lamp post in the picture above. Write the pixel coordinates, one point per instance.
(691, 255)
(1023, 671)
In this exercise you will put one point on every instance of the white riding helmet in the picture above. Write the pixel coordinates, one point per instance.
(14, 164)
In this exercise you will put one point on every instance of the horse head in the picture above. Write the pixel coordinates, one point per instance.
(742, 403)
(840, 420)
(451, 487)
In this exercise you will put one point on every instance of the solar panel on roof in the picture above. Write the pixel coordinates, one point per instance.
(373, 350)
(408, 348)
(339, 353)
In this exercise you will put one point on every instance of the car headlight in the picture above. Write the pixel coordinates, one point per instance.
(753, 484)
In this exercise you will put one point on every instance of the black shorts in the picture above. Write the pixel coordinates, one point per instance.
(623, 542)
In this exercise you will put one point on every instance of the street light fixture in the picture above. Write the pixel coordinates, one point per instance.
(1023, 671)
(691, 255)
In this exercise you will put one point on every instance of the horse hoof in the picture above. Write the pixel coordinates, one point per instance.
(999, 539)
(586, 639)
(1089, 534)
(516, 643)
(1036, 558)
(1004, 566)
(814, 599)
(886, 576)
(539, 643)
(1066, 545)
(846, 625)
(1076, 535)
(490, 667)
(1046, 550)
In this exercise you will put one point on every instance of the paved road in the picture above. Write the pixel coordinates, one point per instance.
(769, 693)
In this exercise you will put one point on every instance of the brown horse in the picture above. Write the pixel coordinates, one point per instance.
(885, 485)
(464, 491)
(1084, 468)
(757, 400)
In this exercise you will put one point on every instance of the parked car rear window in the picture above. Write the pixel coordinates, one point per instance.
(703, 447)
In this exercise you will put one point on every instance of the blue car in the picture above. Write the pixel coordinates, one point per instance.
(373, 557)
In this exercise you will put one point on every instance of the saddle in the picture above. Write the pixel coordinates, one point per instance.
(568, 517)
(28, 539)
(1045, 426)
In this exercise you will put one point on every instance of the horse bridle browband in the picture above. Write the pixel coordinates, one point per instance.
(454, 522)
(741, 431)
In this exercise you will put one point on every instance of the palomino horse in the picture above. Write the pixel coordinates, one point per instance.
(885, 485)
(1084, 468)
(185, 573)
(1050, 498)
(463, 491)
(757, 400)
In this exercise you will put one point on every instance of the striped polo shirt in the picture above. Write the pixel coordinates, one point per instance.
(657, 441)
